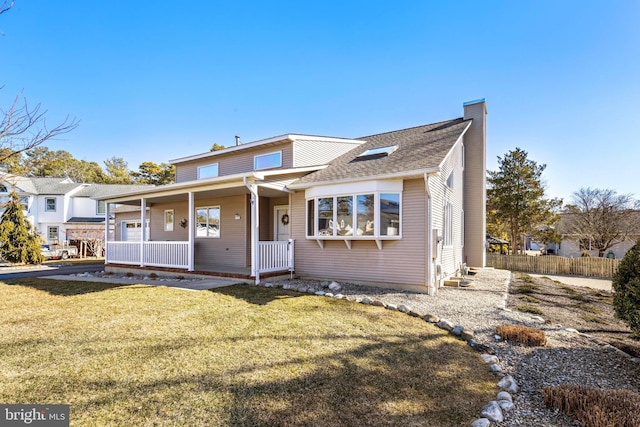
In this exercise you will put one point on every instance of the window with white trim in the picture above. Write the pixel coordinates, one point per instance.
(52, 232)
(50, 204)
(101, 207)
(208, 221)
(447, 224)
(267, 161)
(449, 181)
(354, 216)
(208, 171)
(168, 220)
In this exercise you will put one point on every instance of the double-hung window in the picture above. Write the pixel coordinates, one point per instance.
(50, 204)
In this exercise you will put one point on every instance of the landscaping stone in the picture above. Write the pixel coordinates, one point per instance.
(414, 314)
(492, 412)
(391, 307)
(481, 422)
(328, 294)
(508, 383)
(403, 308)
(430, 318)
(457, 331)
(311, 291)
(335, 286)
(302, 289)
(378, 303)
(338, 296)
(268, 285)
(505, 405)
(495, 368)
(286, 286)
(320, 293)
(489, 358)
(365, 301)
(324, 284)
(503, 395)
(445, 324)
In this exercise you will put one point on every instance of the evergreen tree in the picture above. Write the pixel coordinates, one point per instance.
(515, 197)
(626, 284)
(18, 241)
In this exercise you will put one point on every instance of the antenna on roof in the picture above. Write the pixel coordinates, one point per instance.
(237, 140)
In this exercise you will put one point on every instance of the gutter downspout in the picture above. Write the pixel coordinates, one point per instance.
(431, 279)
(255, 229)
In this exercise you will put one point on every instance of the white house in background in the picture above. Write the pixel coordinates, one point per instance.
(60, 209)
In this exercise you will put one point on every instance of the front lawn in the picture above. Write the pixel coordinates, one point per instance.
(242, 355)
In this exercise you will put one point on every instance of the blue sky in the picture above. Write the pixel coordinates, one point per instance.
(158, 80)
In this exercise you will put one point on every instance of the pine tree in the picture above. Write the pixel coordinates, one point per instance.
(19, 243)
(515, 198)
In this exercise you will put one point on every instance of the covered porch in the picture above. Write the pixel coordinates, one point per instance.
(235, 226)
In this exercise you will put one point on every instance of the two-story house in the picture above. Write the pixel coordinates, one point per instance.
(404, 208)
(60, 209)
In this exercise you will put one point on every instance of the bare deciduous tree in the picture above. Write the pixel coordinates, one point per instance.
(602, 217)
(5, 5)
(23, 128)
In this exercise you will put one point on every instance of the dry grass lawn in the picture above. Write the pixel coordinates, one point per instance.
(142, 355)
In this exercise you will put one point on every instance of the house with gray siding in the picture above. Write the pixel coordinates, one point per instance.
(403, 209)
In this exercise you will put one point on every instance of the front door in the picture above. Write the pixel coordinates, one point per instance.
(281, 229)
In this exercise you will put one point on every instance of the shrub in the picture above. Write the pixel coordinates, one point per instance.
(594, 407)
(522, 334)
(626, 285)
(529, 309)
(525, 289)
(591, 318)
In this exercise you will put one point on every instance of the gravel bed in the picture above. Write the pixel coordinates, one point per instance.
(568, 358)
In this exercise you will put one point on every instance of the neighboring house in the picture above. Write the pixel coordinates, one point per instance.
(573, 246)
(60, 209)
(401, 209)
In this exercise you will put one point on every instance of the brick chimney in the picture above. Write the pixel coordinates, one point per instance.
(475, 183)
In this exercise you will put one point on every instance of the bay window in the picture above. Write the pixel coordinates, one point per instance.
(369, 215)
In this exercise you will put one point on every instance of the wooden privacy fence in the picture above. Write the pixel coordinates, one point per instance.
(549, 264)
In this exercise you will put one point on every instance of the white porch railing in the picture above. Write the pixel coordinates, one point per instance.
(158, 254)
(275, 256)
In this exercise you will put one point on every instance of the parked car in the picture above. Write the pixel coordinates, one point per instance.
(56, 251)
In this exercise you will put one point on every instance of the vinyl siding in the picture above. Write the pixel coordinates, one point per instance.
(400, 262)
(231, 247)
(315, 152)
(449, 257)
(234, 162)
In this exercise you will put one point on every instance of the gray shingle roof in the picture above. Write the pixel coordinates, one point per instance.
(421, 147)
(97, 190)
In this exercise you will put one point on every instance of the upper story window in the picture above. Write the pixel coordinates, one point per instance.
(50, 204)
(449, 181)
(101, 207)
(208, 171)
(447, 221)
(267, 161)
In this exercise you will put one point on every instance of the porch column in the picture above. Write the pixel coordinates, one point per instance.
(191, 221)
(143, 225)
(106, 232)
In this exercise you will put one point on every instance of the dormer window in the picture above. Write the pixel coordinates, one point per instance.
(267, 161)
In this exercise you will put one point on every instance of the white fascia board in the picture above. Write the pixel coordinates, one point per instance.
(405, 174)
(180, 188)
(458, 141)
(280, 138)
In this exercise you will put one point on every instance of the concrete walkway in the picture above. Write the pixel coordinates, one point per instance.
(589, 282)
(190, 285)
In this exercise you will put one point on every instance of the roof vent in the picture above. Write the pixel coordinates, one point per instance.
(237, 140)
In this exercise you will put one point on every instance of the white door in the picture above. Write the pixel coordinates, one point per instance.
(281, 223)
